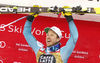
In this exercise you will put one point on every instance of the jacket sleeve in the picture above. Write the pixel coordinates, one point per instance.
(66, 51)
(29, 37)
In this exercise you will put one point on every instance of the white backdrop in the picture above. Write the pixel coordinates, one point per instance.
(48, 3)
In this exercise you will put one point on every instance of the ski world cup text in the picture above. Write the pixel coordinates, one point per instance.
(11, 28)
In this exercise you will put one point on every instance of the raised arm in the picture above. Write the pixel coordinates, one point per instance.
(28, 36)
(66, 51)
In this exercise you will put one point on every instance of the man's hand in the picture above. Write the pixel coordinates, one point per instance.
(67, 15)
(35, 14)
(32, 16)
(66, 11)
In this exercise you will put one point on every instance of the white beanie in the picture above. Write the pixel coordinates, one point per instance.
(55, 29)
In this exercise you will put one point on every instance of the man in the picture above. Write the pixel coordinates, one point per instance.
(52, 53)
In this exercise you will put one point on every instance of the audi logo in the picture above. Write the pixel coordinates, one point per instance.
(1, 61)
(2, 44)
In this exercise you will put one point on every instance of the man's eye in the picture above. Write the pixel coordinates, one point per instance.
(51, 35)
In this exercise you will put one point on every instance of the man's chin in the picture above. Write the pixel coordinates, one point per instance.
(48, 45)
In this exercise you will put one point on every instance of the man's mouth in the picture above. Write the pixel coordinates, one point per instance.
(48, 41)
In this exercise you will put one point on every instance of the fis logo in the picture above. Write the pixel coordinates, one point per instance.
(2, 44)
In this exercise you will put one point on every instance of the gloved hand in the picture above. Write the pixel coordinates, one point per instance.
(67, 15)
(66, 11)
(32, 16)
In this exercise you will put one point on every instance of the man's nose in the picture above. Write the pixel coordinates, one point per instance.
(48, 37)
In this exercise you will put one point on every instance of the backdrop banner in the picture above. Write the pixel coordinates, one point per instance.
(15, 49)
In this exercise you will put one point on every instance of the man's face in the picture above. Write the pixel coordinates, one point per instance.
(51, 38)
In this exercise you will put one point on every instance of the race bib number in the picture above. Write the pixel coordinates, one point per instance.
(47, 59)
